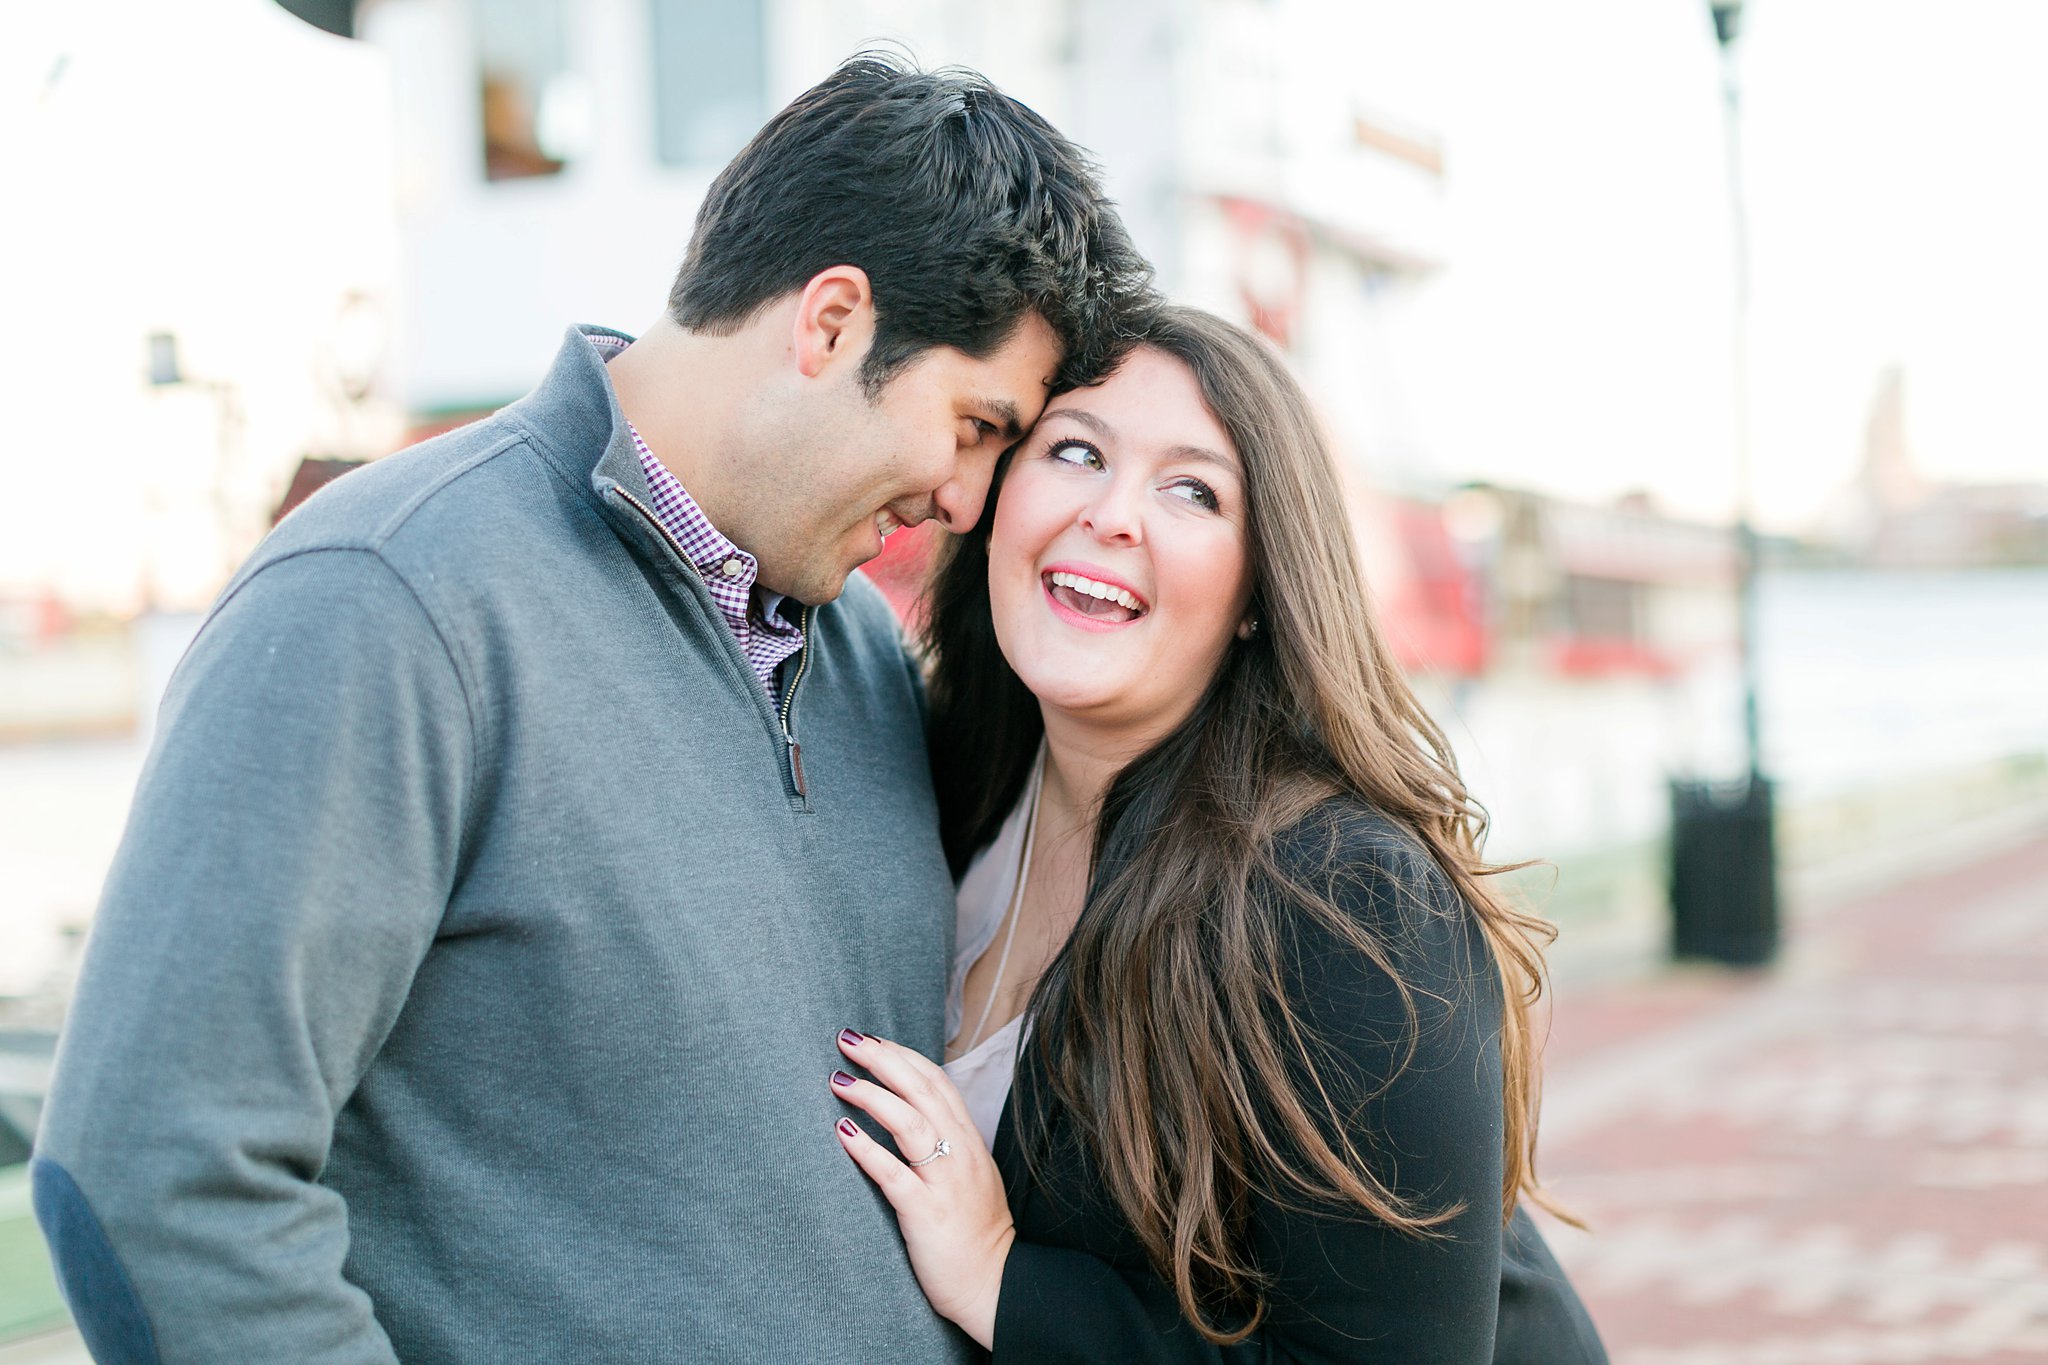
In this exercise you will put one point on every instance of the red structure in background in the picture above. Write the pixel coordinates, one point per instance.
(1590, 657)
(1433, 610)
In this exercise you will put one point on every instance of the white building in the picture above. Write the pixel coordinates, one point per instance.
(552, 156)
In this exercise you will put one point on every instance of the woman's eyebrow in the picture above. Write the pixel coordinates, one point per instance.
(1203, 454)
(1088, 420)
(1107, 432)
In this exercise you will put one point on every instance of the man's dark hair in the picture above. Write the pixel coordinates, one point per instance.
(967, 211)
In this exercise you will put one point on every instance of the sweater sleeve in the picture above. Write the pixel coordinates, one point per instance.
(288, 858)
(1343, 1286)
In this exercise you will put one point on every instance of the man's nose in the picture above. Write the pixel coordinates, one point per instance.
(957, 503)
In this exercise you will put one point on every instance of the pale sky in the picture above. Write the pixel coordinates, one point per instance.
(1899, 159)
(1897, 176)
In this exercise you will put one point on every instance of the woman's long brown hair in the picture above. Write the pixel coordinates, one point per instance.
(1189, 1140)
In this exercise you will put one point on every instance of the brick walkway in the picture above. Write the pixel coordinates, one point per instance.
(1844, 1161)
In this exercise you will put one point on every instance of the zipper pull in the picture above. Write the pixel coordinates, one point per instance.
(796, 765)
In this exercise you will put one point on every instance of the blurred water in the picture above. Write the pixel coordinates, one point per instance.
(1871, 676)
(1866, 678)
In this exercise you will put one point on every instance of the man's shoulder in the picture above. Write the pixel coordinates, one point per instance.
(367, 508)
(474, 478)
(458, 520)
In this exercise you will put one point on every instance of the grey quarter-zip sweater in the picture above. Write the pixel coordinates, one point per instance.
(465, 987)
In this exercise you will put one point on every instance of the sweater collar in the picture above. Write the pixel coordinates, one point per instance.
(573, 417)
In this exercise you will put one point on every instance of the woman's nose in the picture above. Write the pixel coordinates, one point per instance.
(1113, 514)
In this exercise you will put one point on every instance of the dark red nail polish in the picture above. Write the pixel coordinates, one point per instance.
(850, 1038)
(847, 1127)
(840, 1078)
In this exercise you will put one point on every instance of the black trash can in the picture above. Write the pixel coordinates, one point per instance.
(1724, 872)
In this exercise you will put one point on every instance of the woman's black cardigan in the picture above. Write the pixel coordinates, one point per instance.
(1343, 1287)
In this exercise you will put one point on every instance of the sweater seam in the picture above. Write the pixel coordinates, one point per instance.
(404, 512)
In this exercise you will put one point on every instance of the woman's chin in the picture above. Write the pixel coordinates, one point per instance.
(1062, 690)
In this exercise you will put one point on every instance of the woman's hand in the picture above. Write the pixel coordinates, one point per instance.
(955, 1219)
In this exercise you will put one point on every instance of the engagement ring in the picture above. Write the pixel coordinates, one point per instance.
(944, 1148)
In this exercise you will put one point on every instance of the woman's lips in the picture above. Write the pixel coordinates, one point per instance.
(1090, 603)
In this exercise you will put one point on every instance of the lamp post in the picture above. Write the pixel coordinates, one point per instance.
(1724, 876)
(1727, 29)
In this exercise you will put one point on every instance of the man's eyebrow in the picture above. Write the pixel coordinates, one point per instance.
(1005, 413)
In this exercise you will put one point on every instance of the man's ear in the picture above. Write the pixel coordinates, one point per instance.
(835, 320)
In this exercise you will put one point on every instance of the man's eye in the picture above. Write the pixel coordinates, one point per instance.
(1076, 453)
(1196, 492)
(985, 431)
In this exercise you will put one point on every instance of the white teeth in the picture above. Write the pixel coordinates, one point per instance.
(1101, 591)
(886, 523)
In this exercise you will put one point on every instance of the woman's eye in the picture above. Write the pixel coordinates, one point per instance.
(1196, 492)
(1076, 453)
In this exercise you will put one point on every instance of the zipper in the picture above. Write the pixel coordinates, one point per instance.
(659, 529)
(791, 748)
(796, 752)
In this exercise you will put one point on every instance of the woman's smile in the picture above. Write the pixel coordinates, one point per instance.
(1092, 598)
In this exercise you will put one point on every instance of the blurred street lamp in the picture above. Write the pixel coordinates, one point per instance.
(1724, 877)
(356, 345)
(165, 372)
(163, 360)
(351, 364)
(334, 16)
(1727, 21)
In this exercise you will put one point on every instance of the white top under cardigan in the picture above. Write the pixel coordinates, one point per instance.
(983, 902)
